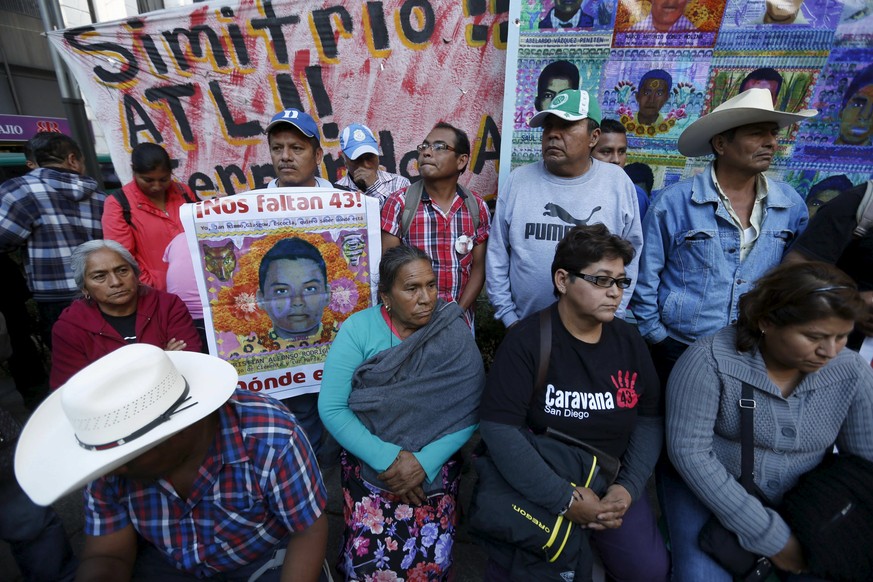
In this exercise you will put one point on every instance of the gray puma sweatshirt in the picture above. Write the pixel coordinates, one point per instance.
(534, 211)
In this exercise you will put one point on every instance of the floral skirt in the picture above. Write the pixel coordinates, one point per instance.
(386, 540)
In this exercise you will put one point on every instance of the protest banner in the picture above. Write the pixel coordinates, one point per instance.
(204, 80)
(278, 271)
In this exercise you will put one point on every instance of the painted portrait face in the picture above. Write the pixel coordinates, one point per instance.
(554, 87)
(294, 296)
(652, 96)
(856, 118)
(567, 8)
(771, 86)
(782, 11)
(665, 13)
(813, 203)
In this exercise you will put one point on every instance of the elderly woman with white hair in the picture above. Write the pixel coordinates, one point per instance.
(115, 310)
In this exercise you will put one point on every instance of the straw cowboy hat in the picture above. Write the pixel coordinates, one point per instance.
(752, 106)
(112, 411)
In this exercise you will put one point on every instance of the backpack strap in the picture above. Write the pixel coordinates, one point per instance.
(410, 205)
(472, 207)
(545, 354)
(545, 349)
(122, 200)
(413, 200)
(865, 212)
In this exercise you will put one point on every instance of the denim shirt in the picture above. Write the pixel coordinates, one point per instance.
(691, 276)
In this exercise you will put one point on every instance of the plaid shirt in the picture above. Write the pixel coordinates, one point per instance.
(52, 211)
(259, 483)
(435, 233)
(385, 185)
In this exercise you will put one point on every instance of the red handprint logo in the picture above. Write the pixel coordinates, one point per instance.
(626, 395)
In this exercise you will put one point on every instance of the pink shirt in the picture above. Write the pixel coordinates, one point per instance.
(180, 275)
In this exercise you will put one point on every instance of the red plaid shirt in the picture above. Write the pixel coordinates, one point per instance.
(435, 232)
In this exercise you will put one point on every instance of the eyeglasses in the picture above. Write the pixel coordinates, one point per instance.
(437, 146)
(606, 282)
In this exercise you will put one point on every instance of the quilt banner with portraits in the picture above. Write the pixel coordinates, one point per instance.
(204, 80)
(656, 66)
(278, 271)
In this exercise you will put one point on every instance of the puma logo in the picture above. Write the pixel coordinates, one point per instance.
(220, 261)
(553, 209)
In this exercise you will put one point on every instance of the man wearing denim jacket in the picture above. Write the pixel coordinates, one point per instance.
(710, 237)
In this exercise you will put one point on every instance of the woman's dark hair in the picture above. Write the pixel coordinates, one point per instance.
(148, 157)
(393, 260)
(584, 245)
(290, 249)
(793, 294)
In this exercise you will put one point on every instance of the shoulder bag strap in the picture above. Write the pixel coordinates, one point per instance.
(747, 438)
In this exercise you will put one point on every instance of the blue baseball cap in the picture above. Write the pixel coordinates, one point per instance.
(356, 140)
(299, 119)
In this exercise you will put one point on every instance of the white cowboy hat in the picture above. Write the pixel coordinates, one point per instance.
(112, 411)
(752, 106)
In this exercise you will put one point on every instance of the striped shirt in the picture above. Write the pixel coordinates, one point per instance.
(51, 211)
(436, 232)
(258, 484)
(385, 185)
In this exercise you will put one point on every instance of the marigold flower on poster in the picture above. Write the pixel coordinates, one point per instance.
(236, 310)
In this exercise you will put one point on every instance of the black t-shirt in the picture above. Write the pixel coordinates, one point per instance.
(829, 238)
(593, 391)
(124, 325)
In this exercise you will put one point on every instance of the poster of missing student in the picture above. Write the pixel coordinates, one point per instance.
(279, 270)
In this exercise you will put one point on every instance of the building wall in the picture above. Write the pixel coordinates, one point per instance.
(26, 51)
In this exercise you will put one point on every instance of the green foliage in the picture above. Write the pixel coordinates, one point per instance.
(489, 331)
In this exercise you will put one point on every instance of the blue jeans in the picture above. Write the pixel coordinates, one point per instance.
(685, 516)
(36, 536)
